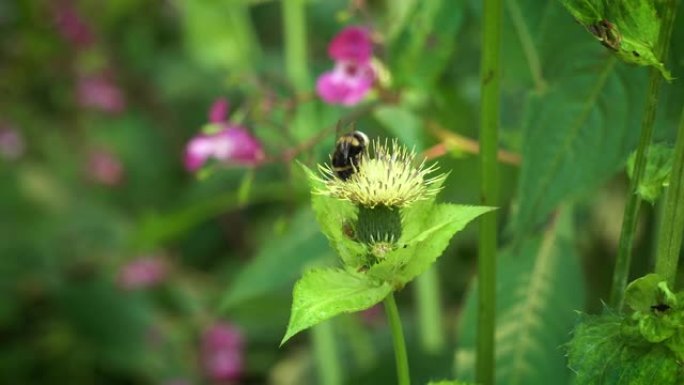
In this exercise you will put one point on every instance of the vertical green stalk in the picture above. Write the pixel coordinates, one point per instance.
(329, 371)
(631, 213)
(296, 64)
(672, 226)
(429, 311)
(490, 74)
(398, 340)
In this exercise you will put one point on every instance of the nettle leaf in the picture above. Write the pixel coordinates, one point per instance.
(629, 28)
(336, 218)
(419, 249)
(324, 293)
(657, 173)
(279, 262)
(539, 289)
(579, 130)
(600, 353)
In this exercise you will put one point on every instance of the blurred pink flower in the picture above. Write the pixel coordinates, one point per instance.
(71, 25)
(232, 144)
(353, 75)
(99, 92)
(105, 168)
(142, 273)
(218, 112)
(223, 352)
(373, 316)
(11, 143)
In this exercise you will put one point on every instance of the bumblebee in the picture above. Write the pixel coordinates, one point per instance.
(348, 151)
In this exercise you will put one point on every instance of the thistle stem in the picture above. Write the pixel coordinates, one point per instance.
(329, 370)
(489, 120)
(672, 225)
(398, 340)
(631, 213)
(429, 311)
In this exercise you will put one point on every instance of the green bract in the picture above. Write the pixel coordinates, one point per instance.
(385, 225)
(630, 28)
(657, 173)
(646, 347)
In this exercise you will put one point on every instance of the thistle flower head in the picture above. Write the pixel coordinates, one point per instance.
(388, 174)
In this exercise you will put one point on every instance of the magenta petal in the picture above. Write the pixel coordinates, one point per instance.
(342, 86)
(352, 43)
(197, 151)
(233, 144)
(218, 112)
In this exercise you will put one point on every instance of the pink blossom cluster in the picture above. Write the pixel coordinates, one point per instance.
(95, 88)
(353, 75)
(11, 143)
(104, 167)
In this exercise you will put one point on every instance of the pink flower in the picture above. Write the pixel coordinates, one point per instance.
(99, 92)
(71, 26)
(105, 168)
(352, 43)
(142, 273)
(222, 352)
(232, 144)
(11, 143)
(353, 75)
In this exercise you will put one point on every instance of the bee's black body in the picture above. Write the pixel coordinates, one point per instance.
(348, 151)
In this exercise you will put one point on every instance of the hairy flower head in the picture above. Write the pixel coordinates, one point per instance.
(388, 174)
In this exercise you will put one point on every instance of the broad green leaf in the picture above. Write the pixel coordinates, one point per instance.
(418, 250)
(539, 288)
(279, 262)
(601, 354)
(628, 27)
(324, 293)
(401, 123)
(657, 173)
(421, 50)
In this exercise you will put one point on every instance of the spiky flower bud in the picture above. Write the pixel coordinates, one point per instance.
(388, 175)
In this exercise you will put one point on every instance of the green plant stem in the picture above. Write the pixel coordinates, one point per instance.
(631, 213)
(490, 74)
(296, 66)
(672, 225)
(429, 311)
(323, 337)
(398, 340)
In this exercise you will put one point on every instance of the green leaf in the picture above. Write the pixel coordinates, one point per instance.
(428, 228)
(628, 27)
(579, 130)
(657, 173)
(540, 286)
(421, 50)
(279, 262)
(449, 382)
(324, 293)
(601, 354)
(643, 292)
